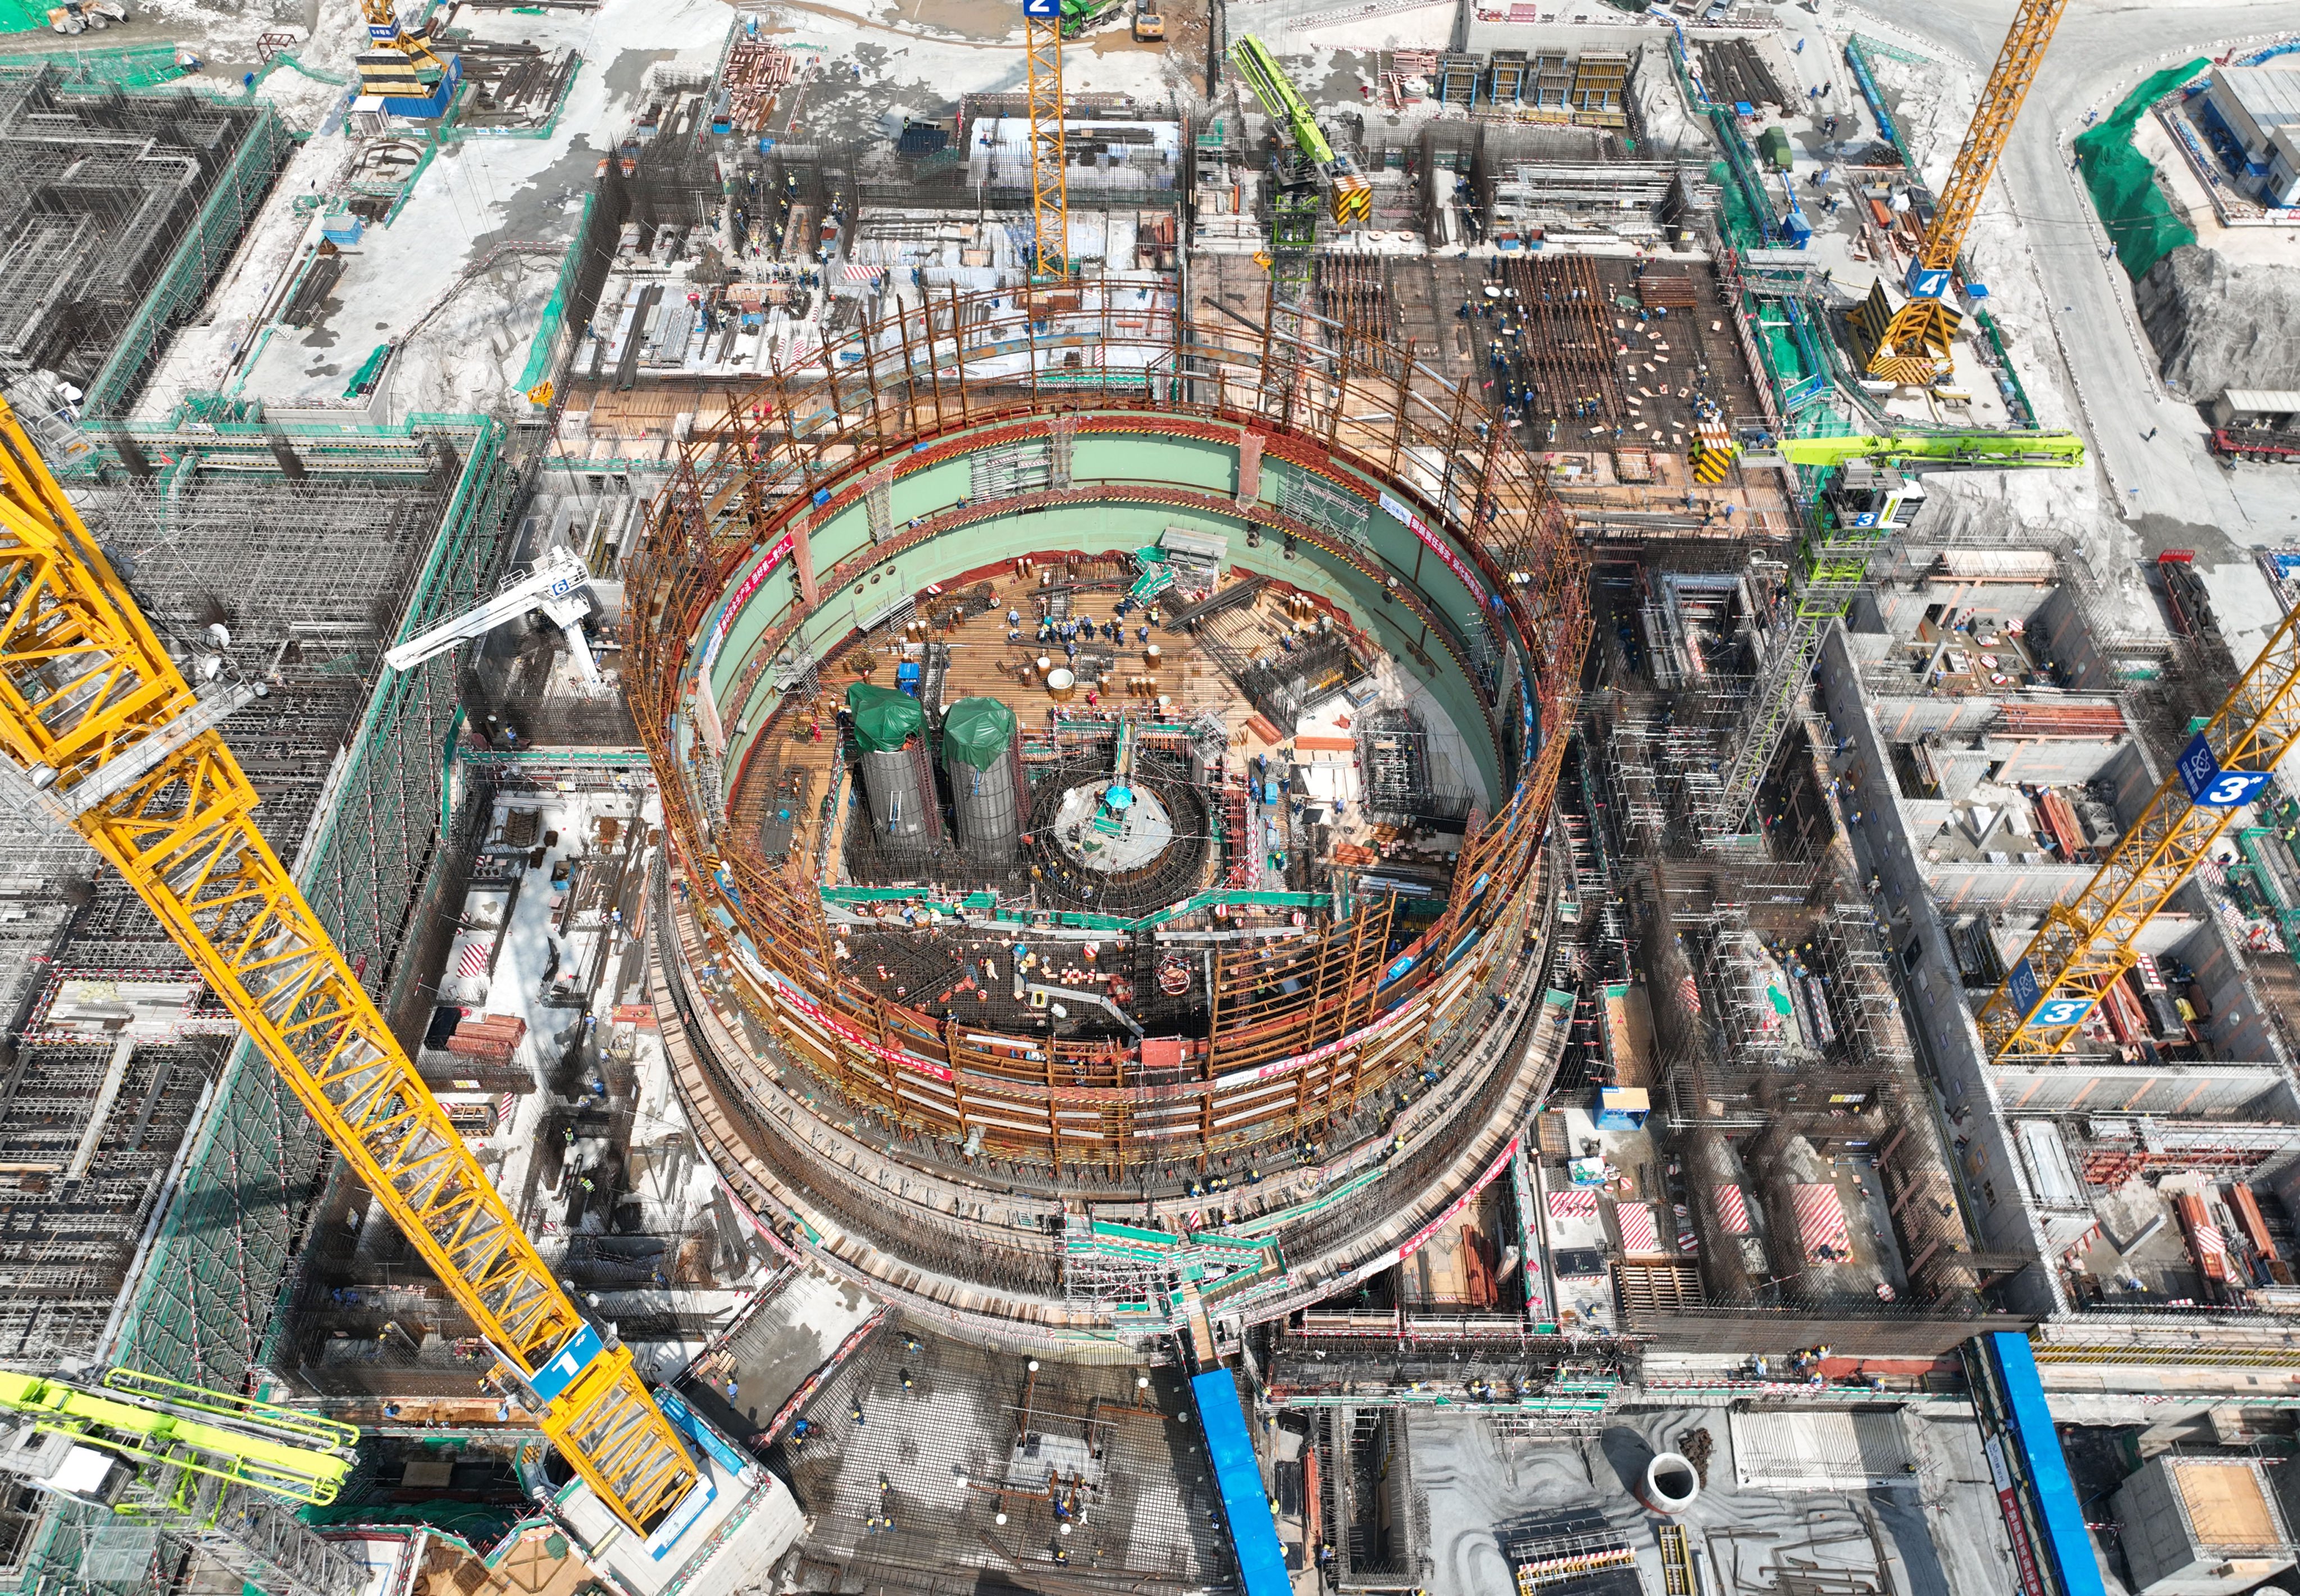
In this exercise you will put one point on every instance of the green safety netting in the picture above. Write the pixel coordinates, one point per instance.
(978, 731)
(884, 718)
(2140, 223)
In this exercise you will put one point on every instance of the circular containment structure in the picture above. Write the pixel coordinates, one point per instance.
(1168, 948)
(1671, 1482)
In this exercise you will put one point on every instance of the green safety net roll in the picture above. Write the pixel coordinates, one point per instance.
(2123, 182)
(884, 718)
(977, 731)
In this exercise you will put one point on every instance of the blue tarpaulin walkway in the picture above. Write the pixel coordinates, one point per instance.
(1260, 1564)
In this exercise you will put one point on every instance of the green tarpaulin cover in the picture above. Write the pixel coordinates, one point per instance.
(977, 731)
(884, 718)
(2140, 220)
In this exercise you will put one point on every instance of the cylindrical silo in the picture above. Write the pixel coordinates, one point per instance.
(984, 757)
(897, 779)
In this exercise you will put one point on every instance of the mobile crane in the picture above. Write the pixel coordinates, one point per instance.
(2085, 947)
(105, 734)
(214, 1468)
(1910, 345)
(555, 585)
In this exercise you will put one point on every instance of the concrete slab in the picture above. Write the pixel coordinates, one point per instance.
(1811, 1451)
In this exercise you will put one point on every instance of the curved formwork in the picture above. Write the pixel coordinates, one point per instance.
(1278, 630)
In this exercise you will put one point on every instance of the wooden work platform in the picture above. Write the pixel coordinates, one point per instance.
(779, 800)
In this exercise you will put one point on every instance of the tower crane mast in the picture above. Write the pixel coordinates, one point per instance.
(108, 736)
(1050, 183)
(1911, 344)
(2086, 946)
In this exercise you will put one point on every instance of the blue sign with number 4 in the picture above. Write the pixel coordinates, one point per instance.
(2208, 786)
(1927, 282)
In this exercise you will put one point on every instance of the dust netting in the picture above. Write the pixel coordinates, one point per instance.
(2140, 220)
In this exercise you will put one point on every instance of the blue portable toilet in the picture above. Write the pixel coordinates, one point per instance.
(1797, 229)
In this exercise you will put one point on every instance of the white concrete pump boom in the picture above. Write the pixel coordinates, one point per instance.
(555, 586)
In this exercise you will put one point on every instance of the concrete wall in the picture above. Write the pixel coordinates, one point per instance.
(1937, 1014)
(2015, 889)
(2054, 761)
(1901, 607)
(2060, 624)
(2235, 1022)
(1904, 717)
(1134, 458)
(2160, 1541)
(2236, 1092)
(2134, 777)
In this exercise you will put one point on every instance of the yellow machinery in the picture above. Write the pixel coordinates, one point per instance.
(113, 739)
(2084, 947)
(1910, 345)
(1050, 182)
(396, 64)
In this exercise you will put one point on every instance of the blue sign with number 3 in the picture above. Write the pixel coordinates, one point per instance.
(2208, 786)
(2037, 1011)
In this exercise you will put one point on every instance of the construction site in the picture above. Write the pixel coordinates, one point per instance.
(1193, 799)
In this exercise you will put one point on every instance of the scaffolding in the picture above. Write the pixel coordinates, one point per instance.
(321, 549)
(1634, 752)
(1859, 990)
(1740, 991)
(869, 399)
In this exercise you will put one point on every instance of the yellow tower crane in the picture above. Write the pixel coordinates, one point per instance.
(397, 64)
(1050, 182)
(1911, 344)
(112, 740)
(2085, 947)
